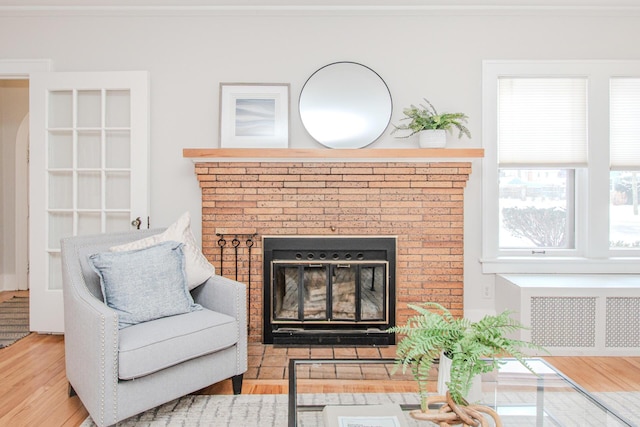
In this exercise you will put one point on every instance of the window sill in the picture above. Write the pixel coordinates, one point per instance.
(569, 281)
(565, 265)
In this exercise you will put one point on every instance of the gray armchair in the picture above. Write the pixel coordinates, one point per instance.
(118, 373)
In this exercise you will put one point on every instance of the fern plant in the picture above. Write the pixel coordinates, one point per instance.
(425, 117)
(473, 347)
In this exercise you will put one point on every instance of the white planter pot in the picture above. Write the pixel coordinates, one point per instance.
(444, 374)
(432, 138)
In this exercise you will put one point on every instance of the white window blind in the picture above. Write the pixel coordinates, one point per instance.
(625, 123)
(542, 121)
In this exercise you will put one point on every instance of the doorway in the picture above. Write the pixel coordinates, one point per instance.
(14, 143)
(14, 180)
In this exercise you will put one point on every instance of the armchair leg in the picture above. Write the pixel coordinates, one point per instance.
(237, 384)
(71, 391)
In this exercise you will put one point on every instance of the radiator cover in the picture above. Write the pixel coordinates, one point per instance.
(595, 315)
(563, 321)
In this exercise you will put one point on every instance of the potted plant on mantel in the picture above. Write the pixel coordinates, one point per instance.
(473, 348)
(431, 126)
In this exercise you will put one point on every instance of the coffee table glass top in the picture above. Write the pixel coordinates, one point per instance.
(521, 398)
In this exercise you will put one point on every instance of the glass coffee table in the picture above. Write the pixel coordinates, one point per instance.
(362, 386)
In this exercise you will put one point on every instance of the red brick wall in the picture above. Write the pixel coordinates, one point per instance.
(420, 203)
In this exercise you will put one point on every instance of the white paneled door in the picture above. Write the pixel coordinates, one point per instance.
(88, 171)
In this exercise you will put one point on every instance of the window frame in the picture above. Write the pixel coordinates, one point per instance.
(592, 253)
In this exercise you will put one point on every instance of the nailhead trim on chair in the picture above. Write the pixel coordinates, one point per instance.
(115, 374)
(102, 378)
(238, 336)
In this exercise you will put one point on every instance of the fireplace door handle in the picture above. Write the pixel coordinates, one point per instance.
(315, 266)
(343, 266)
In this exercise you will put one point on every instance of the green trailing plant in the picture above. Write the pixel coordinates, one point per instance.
(473, 347)
(425, 117)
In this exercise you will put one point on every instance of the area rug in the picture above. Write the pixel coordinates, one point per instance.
(268, 410)
(626, 404)
(14, 320)
(247, 410)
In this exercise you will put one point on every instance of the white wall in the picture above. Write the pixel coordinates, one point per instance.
(436, 55)
(14, 105)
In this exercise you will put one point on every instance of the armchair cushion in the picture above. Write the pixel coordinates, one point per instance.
(152, 346)
(144, 284)
(196, 264)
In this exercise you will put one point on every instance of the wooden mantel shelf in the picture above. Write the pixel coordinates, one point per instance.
(373, 154)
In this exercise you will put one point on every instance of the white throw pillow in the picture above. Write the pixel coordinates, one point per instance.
(197, 267)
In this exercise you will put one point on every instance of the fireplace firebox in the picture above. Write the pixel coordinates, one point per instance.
(321, 290)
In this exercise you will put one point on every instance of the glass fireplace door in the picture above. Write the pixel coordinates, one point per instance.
(329, 292)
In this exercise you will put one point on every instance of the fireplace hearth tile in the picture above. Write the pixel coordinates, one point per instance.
(344, 352)
(271, 372)
(251, 373)
(272, 360)
(254, 360)
(269, 362)
(254, 348)
(321, 353)
(275, 351)
(367, 352)
(299, 352)
(388, 352)
(322, 372)
(373, 372)
(348, 372)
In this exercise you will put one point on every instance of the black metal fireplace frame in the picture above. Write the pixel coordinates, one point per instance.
(334, 248)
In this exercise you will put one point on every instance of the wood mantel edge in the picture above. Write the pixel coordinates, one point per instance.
(237, 154)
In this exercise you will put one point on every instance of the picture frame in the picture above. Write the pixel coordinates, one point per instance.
(254, 115)
(381, 415)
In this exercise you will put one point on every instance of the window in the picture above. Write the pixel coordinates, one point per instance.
(624, 218)
(542, 123)
(562, 165)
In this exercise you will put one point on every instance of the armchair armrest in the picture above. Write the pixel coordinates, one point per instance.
(228, 297)
(224, 296)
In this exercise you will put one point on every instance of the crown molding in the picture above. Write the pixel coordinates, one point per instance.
(301, 9)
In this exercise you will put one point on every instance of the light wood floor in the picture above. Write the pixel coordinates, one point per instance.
(33, 387)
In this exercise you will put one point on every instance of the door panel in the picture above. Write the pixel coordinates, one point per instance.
(88, 170)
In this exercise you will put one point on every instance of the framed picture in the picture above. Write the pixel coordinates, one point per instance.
(254, 115)
(382, 415)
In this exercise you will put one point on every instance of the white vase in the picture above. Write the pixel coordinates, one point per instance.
(432, 138)
(444, 375)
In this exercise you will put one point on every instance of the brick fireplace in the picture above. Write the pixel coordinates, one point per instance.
(418, 202)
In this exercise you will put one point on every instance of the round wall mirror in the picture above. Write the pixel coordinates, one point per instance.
(345, 105)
